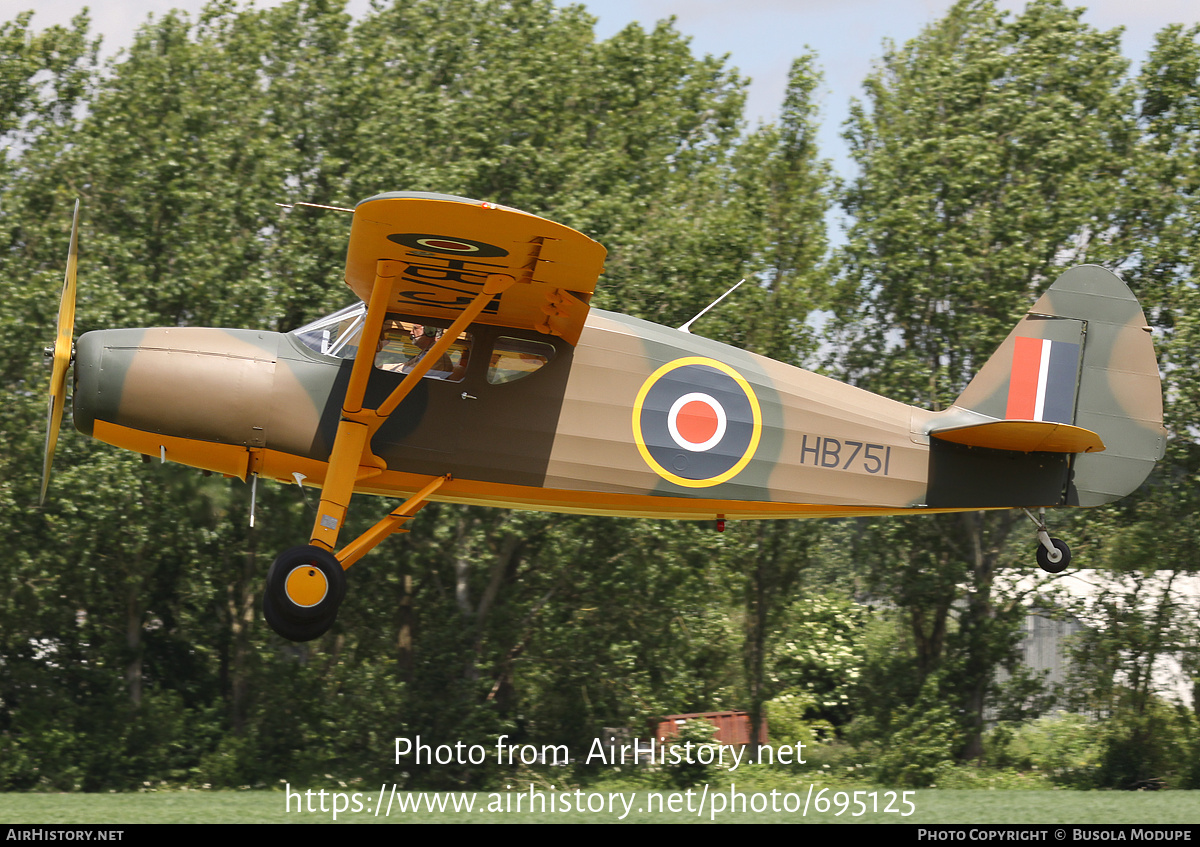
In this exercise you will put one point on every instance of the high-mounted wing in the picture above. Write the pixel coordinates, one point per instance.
(450, 246)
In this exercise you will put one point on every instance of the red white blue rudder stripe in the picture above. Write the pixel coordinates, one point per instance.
(1042, 382)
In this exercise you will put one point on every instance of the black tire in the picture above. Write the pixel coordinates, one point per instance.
(295, 631)
(317, 580)
(1043, 557)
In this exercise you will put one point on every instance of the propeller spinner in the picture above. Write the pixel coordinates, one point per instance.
(61, 354)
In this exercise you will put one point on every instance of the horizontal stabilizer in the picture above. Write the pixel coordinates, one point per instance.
(1025, 437)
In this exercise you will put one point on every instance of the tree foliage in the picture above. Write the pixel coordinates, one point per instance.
(135, 594)
(992, 151)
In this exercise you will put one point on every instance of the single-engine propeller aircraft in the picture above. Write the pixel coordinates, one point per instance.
(473, 371)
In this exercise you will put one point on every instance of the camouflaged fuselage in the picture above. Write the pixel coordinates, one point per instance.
(637, 419)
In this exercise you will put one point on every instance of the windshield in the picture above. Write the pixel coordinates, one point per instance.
(336, 334)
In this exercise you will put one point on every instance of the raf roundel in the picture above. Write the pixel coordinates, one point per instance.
(447, 245)
(696, 422)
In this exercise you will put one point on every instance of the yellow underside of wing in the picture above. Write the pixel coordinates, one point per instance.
(449, 249)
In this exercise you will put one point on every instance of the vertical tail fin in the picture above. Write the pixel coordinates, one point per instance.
(1082, 356)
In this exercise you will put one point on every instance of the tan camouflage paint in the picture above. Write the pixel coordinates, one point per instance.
(562, 439)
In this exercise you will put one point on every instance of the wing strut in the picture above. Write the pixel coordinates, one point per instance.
(351, 458)
(495, 284)
(391, 523)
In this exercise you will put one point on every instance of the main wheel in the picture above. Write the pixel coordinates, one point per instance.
(295, 631)
(306, 584)
(1043, 557)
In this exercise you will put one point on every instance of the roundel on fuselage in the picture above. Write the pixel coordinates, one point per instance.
(696, 422)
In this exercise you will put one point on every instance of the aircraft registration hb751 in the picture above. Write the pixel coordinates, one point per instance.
(474, 371)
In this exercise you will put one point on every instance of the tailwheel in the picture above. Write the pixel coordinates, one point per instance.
(305, 588)
(1044, 556)
(1053, 554)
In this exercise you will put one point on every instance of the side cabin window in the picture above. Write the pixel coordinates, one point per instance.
(517, 358)
(404, 345)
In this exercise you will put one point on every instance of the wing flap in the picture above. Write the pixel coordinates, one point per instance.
(451, 245)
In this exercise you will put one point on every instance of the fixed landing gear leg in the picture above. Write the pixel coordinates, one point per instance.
(1053, 554)
(306, 584)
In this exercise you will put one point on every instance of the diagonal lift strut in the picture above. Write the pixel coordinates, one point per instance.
(351, 458)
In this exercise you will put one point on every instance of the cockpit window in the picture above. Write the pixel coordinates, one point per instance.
(402, 344)
(517, 358)
(405, 344)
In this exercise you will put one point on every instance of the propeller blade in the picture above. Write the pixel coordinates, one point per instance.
(62, 355)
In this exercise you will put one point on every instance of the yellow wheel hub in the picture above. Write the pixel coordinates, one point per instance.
(306, 586)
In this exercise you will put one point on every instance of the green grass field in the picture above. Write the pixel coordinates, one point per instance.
(932, 807)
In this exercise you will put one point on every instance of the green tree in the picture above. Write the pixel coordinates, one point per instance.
(1137, 623)
(1142, 615)
(820, 653)
(132, 632)
(989, 150)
